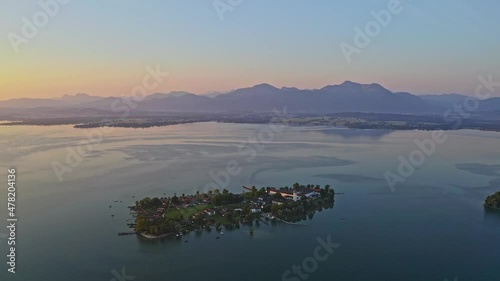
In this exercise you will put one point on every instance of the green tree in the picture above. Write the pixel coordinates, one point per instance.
(277, 195)
(142, 224)
(267, 208)
(246, 210)
(229, 216)
(254, 191)
(275, 208)
(154, 230)
(155, 202)
(145, 202)
(493, 201)
(175, 200)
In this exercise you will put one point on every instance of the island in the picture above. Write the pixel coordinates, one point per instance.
(178, 215)
(493, 201)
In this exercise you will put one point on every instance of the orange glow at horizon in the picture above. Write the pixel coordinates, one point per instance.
(50, 77)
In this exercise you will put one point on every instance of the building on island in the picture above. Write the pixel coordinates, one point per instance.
(295, 194)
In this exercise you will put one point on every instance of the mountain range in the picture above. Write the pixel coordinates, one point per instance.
(346, 97)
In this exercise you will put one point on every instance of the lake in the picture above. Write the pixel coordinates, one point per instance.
(431, 227)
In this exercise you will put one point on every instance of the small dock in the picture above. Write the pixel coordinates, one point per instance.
(291, 223)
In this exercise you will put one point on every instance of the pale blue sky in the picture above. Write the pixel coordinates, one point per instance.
(99, 46)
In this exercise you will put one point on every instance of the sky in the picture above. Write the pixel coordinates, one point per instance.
(104, 47)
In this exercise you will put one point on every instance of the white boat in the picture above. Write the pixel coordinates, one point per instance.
(221, 233)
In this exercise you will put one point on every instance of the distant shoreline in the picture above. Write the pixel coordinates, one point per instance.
(361, 121)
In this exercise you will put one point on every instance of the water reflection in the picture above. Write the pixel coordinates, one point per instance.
(356, 133)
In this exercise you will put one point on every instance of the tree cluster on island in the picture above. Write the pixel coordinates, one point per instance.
(182, 214)
(493, 201)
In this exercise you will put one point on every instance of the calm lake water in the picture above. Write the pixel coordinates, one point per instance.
(433, 227)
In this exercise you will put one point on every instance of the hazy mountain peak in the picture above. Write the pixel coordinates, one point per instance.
(171, 94)
(377, 85)
(264, 86)
(72, 99)
(289, 89)
(72, 96)
(179, 93)
(349, 83)
(349, 87)
(359, 85)
(260, 89)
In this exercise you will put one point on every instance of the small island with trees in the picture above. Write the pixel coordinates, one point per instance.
(493, 201)
(178, 215)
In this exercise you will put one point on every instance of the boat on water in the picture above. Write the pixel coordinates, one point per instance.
(110, 206)
(221, 233)
(218, 237)
(112, 215)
